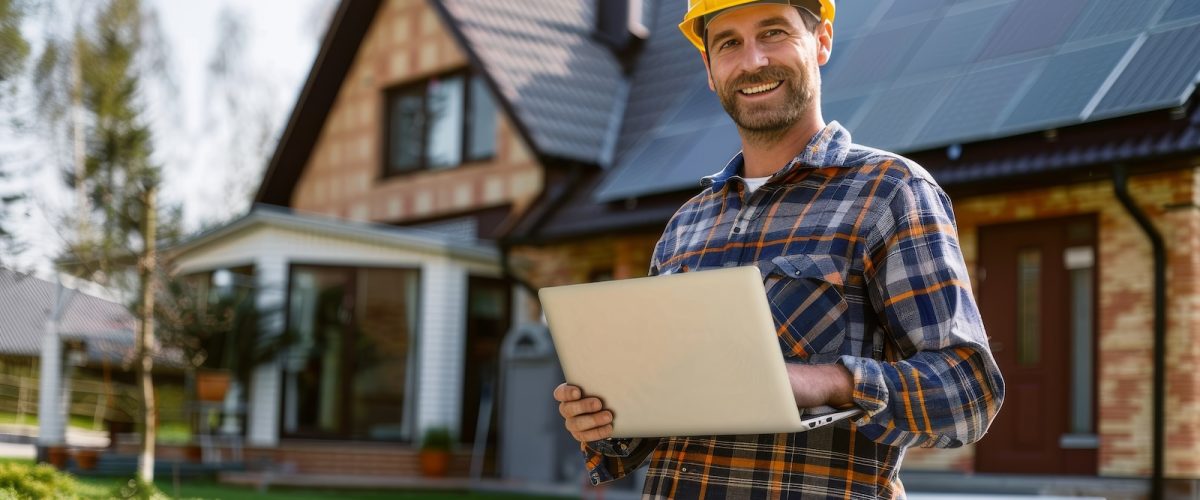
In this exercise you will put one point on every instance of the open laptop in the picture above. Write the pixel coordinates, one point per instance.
(691, 354)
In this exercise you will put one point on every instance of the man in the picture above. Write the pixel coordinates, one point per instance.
(861, 261)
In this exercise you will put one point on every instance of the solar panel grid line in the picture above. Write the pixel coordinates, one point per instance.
(1113, 76)
(1162, 74)
(1060, 93)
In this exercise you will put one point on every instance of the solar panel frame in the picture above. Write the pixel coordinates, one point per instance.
(1033, 25)
(1162, 74)
(899, 114)
(1063, 90)
(957, 39)
(1113, 17)
(978, 103)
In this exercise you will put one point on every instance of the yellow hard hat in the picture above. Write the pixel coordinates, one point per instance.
(693, 22)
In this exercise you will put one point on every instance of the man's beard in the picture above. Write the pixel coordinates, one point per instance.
(768, 122)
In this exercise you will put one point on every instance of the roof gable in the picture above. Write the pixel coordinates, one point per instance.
(563, 86)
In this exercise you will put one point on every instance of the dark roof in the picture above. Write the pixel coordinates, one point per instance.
(26, 302)
(1110, 77)
(341, 42)
(560, 82)
(914, 76)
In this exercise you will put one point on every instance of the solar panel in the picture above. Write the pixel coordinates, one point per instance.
(1182, 9)
(1163, 73)
(643, 172)
(1066, 86)
(877, 57)
(1106, 17)
(898, 114)
(842, 110)
(977, 104)
(1033, 25)
(957, 39)
(706, 153)
(853, 18)
(917, 9)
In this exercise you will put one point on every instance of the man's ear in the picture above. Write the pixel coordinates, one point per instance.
(824, 42)
(708, 71)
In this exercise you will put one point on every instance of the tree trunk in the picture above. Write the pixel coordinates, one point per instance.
(145, 338)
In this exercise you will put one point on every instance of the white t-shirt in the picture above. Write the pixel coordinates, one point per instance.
(753, 183)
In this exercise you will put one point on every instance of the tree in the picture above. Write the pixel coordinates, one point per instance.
(121, 184)
(14, 50)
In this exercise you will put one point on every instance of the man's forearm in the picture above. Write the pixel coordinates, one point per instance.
(816, 385)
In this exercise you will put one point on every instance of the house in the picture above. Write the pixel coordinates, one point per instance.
(57, 338)
(560, 136)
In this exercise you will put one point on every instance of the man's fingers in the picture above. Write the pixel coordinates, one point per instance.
(587, 422)
(575, 408)
(566, 392)
(596, 434)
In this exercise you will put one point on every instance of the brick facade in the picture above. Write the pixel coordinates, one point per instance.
(1125, 313)
(405, 43)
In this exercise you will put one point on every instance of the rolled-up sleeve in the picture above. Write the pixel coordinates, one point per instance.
(613, 459)
(943, 387)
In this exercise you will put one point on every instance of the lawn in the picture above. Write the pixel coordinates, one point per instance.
(93, 487)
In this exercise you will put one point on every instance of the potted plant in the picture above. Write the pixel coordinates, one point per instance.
(86, 458)
(57, 456)
(212, 384)
(435, 451)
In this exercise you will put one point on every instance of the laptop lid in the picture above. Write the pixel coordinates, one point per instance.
(690, 354)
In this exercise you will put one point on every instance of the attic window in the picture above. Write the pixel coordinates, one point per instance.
(439, 123)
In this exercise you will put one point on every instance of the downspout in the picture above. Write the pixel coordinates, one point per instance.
(1121, 189)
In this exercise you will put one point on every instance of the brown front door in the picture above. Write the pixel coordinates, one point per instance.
(1034, 286)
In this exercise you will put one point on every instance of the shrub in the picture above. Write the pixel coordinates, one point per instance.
(20, 481)
(437, 438)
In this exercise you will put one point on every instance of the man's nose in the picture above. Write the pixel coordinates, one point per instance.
(755, 57)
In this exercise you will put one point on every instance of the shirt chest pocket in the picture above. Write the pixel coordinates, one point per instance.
(808, 305)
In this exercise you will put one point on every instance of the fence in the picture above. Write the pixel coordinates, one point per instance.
(90, 401)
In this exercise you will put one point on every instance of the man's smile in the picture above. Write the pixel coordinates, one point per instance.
(761, 88)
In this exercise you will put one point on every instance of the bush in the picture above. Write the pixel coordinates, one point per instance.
(21, 481)
(141, 490)
(437, 438)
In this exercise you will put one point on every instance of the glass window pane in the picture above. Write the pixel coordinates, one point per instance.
(385, 319)
(315, 367)
(1081, 335)
(1029, 317)
(482, 138)
(445, 107)
(407, 124)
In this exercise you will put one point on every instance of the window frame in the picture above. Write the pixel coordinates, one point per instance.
(467, 122)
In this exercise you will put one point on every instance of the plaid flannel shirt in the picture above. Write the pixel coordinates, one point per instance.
(859, 254)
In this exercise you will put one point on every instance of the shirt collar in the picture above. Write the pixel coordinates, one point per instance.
(828, 148)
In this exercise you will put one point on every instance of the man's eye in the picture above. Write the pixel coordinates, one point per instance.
(774, 33)
(727, 44)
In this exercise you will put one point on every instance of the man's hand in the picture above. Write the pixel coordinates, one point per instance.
(585, 418)
(816, 385)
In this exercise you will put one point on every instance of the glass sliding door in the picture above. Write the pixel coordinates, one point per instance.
(345, 375)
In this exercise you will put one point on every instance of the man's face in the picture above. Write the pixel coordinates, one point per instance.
(763, 63)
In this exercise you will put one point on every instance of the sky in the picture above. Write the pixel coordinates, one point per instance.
(192, 141)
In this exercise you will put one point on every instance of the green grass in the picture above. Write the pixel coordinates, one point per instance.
(168, 432)
(102, 487)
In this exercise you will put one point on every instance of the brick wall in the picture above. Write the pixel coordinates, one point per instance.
(1125, 327)
(406, 42)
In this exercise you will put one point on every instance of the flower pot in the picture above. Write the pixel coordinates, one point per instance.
(57, 456)
(435, 463)
(86, 458)
(211, 385)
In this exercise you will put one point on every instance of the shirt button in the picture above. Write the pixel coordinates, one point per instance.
(684, 469)
(737, 229)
